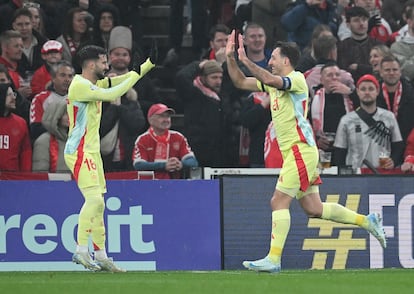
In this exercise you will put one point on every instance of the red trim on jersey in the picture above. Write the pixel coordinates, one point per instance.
(79, 159)
(301, 167)
(75, 114)
(318, 181)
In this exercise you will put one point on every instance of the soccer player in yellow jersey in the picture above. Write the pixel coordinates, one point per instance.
(82, 150)
(299, 177)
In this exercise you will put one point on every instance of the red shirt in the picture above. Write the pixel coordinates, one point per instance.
(12, 68)
(146, 145)
(39, 80)
(15, 146)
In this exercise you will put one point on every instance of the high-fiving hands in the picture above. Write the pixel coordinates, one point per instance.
(235, 42)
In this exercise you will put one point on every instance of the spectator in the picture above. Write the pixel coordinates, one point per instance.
(75, 33)
(367, 132)
(329, 104)
(218, 40)
(376, 54)
(22, 104)
(307, 59)
(396, 94)
(325, 51)
(160, 149)
(408, 164)
(11, 52)
(6, 11)
(51, 54)
(48, 148)
(32, 43)
(255, 42)
(121, 48)
(378, 27)
(353, 52)
(304, 16)
(15, 147)
(38, 23)
(176, 27)
(404, 48)
(105, 20)
(267, 13)
(205, 114)
(62, 75)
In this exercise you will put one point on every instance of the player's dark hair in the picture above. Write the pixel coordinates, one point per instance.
(89, 52)
(290, 50)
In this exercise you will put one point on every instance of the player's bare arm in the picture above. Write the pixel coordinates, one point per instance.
(236, 75)
(258, 72)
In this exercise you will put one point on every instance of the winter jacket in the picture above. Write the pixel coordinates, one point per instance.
(48, 147)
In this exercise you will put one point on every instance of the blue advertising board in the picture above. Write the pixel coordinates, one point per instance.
(315, 243)
(151, 225)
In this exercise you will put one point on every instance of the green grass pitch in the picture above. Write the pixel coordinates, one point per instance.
(390, 281)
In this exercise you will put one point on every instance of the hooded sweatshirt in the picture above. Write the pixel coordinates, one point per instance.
(48, 147)
(15, 147)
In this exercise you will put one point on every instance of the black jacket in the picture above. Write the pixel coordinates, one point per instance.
(131, 124)
(209, 124)
(405, 117)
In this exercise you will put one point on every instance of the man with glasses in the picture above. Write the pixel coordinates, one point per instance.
(15, 147)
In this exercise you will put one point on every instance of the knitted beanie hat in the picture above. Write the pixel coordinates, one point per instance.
(120, 37)
(211, 66)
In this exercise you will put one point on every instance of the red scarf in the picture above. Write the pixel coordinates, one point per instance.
(397, 98)
(163, 145)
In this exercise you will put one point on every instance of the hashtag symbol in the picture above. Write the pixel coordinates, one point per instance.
(342, 245)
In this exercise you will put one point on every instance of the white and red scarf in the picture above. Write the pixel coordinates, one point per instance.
(318, 106)
(72, 45)
(397, 98)
(205, 90)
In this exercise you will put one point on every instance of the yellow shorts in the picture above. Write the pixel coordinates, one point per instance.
(87, 169)
(300, 174)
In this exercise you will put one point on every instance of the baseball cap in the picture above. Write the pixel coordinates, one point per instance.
(368, 78)
(158, 109)
(50, 46)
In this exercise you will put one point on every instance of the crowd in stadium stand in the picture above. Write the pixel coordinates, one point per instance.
(343, 44)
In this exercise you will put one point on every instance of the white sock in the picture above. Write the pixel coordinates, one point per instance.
(100, 254)
(81, 249)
